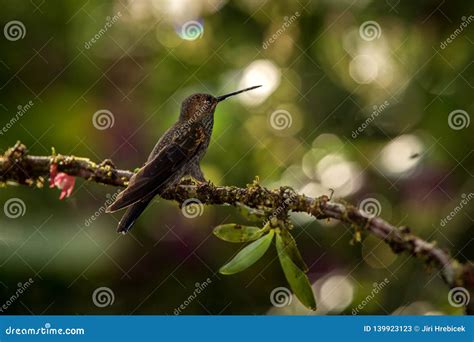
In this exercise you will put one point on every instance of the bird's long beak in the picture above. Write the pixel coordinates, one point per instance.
(223, 97)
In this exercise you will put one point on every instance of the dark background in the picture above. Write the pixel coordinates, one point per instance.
(320, 70)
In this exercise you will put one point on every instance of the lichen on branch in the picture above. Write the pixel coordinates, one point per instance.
(16, 165)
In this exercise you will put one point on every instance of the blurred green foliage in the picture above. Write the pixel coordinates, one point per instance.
(324, 74)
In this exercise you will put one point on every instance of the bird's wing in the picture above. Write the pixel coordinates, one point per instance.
(162, 142)
(157, 171)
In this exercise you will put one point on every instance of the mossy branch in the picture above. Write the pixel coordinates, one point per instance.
(19, 167)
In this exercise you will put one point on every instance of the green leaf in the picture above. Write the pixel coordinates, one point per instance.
(297, 279)
(292, 250)
(250, 213)
(237, 233)
(248, 255)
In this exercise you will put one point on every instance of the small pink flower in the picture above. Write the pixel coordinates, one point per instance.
(61, 180)
(53, 172)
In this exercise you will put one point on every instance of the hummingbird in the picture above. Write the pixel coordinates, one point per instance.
(176, 154)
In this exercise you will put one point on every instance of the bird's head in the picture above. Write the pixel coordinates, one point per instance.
(198, 105)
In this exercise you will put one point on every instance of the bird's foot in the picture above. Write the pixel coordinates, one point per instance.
(192, 180)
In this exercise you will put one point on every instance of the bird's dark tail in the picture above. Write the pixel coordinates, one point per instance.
(131, 215)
